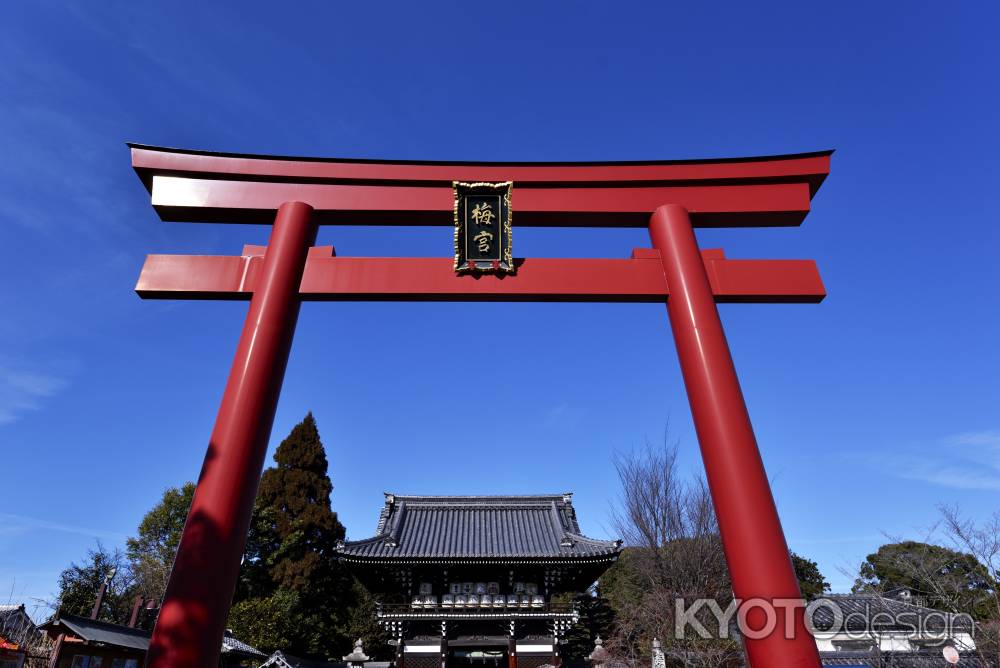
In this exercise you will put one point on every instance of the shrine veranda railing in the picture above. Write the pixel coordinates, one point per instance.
(546, 611)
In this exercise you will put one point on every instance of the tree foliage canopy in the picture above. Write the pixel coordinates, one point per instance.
(151, 551)
(293, 593)
(79, 584)
(142, 570)
(812, 584)
(597, 618)
(941, 577)
(296, 526)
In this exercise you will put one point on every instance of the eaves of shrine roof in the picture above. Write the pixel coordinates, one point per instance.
(454, 528)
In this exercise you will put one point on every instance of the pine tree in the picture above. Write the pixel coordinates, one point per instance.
(290, 554)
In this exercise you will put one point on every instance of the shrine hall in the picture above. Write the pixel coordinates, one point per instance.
(470, 580)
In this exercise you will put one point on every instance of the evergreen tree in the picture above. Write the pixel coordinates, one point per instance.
(362, 623)
(812, 584)
(292, 594)
(939, 576)
(267, 623)
(597, 618)
(290, 559)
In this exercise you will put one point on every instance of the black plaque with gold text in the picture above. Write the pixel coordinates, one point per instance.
(482, 227)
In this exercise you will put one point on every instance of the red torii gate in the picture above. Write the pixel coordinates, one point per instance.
(298, 194)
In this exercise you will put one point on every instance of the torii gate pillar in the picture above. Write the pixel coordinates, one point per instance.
(757, 555)
(204, 574)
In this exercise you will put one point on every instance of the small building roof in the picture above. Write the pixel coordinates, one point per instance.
(233, 645)
(105, 633)
(447, 528)
(94, 631)
(15, 622)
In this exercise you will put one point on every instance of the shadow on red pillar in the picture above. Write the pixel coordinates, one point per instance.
(755, 547)
(191, 623)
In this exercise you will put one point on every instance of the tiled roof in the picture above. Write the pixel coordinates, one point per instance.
(234, 645)
(124, 636)
(461, 527)
(15, 625)
(94, 631)
(281, 660)
(885, 614)
(899, 660)
(14, 615)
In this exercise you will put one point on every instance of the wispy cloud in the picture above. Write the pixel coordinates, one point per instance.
(62, 136)
(556, 414)
(968, 460)
(834, 540)
(23, 390)
(20, 524)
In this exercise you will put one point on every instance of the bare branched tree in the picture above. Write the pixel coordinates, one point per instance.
(982, 541)
(673, 551)
(955, 567)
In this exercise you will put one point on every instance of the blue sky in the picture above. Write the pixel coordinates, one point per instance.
(871, 408)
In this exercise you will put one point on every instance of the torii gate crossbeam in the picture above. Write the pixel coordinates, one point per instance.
(670, 197)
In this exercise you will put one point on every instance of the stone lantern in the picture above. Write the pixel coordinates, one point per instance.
(659, 661)
(599, 657)
(357, 658)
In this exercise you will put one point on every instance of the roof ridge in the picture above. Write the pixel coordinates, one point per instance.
(479, 526)
(478, 496)
(100, 622)
(588, 539)
(894, 601)
(501, 163)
